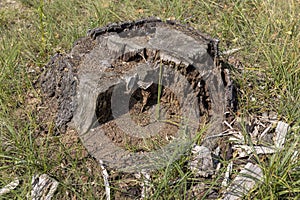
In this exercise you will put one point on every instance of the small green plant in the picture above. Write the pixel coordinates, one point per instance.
(159, 92)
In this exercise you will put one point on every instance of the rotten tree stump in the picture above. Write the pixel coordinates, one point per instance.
(139, 92)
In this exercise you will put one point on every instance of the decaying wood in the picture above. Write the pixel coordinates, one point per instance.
(281, 131)
(248, 177)
(43, 187)
(9, 187)
(201, 162)
(116, 60)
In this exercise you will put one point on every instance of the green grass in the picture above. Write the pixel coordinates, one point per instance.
(32, 31)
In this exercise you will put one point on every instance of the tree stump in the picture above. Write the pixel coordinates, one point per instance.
(139, 92)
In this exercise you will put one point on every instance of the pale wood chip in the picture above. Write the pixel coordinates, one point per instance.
(250, 175)
(9, 187)
(43, 187)
(281, 131)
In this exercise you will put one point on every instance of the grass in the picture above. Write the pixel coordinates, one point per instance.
(32, 31)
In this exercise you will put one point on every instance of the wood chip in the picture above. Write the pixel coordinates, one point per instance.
(244, 182)
(43, 187)
(245, 150)
(227, 174)
(201, 162)
(265, 131)
(145, 184)
(9, 187)
(105, 178)
(281, 131)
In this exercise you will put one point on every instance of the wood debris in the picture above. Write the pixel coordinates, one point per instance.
(201, 162)
(256, 146)
(227, 174)
(244, 182)
(43, 187)
(146, 183)
(260, 139)
(245, 150)
(105, 178)
(9, 187)
(258, 136)
(281, 131)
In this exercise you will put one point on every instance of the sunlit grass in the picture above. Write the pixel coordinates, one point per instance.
(32, 31)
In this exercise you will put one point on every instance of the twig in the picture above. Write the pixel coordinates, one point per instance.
(230, 51)
(224, 133)
(145, 184)
(105, 178)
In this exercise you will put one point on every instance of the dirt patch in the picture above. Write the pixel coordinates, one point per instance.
(10, 4)
(143, 107)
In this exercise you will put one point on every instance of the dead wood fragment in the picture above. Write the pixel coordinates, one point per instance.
(248, 177)
(43, 187)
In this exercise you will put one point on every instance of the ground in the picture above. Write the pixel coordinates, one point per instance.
(266, 70)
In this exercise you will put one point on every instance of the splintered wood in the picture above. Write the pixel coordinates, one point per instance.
(43, 187)
(9, 187)
(262, 139)
(249, 176)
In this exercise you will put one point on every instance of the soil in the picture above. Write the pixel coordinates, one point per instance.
(143, 107)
